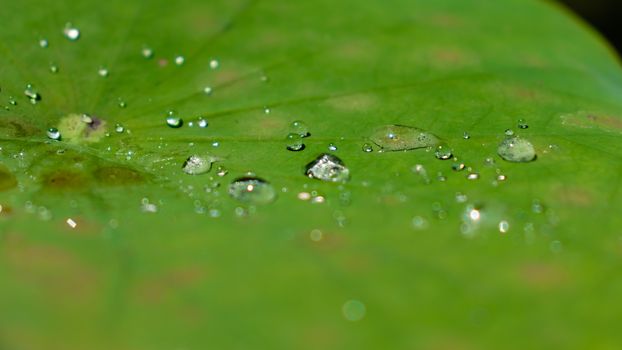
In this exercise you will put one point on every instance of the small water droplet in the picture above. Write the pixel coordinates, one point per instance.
(179, 60)
(504, 226)
(353, 310)
(299, 127)
(207, 90)
(516, 149)
(72, 33)
(53, 134)
(420, 223)
(173, 121)
(294, 142)
(119, 128)
(266, 110)
(458, 166)
(461, 197)
(367, 148)
(332, 147)
(202, 123)
(32, 94)
(197, 165)
(327, 167)
(43, 43)
(316, 235)
(509, 132)
(401, 138)
(122, 103)
(472, 176)
(466, 135)
(252, 190)
(12, 101)
(522, 124)
(102, 72)
(215, 144)
(501, 177)
(443, 152)
(53, 68)
(147, 52)
(221, 171)
(213, 64)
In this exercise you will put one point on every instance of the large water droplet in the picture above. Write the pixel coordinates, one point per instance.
(327, 167)
(72, 33)
(252, 190)
(197, 165)
(173, 120)
(401, 138)
(516, 149)
(294, 142)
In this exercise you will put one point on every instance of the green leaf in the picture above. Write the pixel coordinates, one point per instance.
(107, 243)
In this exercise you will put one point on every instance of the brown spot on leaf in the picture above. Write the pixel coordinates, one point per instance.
(541, 275)
(7, 179)
(18, 128)
(117, 176)
(65, 180)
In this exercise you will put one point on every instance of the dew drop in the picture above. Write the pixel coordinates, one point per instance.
(119, 128)
(252, 190)
(197, 165)
(504, 226)
(32, 94)
(466, 135)
(458, 166)
(294, 142)
(202, 123)
(179, 60)
(122, 103)
(72, 33)
(367, 148)
(53, 134)
(147, 52)
(299, 127)
(221, 171)
(443, 152)
(401, 138)
(103, 72)
(332, 147)
(173, 121)
(44, 43)
(207, 90)
(353, 310)
(509, 132)
(327, 167)
(12, 101)
(516, 149)
(522, 124)
(53, 68)
(472, 176)
(213, 64)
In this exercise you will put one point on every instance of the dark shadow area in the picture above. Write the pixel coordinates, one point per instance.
(604, 15)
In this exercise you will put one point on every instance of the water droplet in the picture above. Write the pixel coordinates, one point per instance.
(202, 123)
(504, 226)
(522, 124)
(332, 147)
(420, 170)
(420, 223)
(43, 43)
(215, 144)
(252, 190)
(472, 176)
(458, 166)
(197, 165)
(367, 148)
(173, 121)
(71, 223)
(207, 90)
(53, 68)
(119, 128)
(147, 52)
(501, 177)
(466, 135)
(401, 138)
(327, 167)
(516, 149)
(213, 64)
(72, 33)
(53, 134)
(353, 310)
(299, 127)
(179, 60)
(221, 171)
(294, 142)
(266, 110)
(32, 94)
(461, 197)
(102, 72)
(509, 132)
(443, 152)
(316, 235)
(122, 104)
(148, 207)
